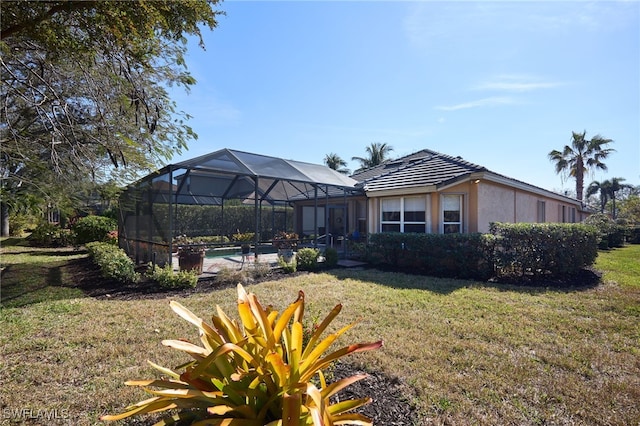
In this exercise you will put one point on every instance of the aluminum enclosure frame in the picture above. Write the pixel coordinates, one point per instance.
(148, 215)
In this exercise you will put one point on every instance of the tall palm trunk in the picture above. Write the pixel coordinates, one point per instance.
(4, 214)
(579, 182)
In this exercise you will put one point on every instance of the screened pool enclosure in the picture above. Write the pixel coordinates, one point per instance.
(219, 199)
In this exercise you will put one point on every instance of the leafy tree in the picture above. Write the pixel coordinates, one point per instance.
(84, 90)
(377, 153)
(582, 156)
(630, 209)
(335, 162)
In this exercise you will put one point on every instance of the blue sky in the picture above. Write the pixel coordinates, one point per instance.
(498, 83)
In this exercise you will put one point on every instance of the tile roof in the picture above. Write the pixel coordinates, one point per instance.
(422, 168)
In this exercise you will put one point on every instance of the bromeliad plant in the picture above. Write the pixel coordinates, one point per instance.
(257, 372)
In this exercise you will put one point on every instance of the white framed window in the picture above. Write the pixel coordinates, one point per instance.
(403, 214)
(451, 213)
(414, 214)
(390, 214)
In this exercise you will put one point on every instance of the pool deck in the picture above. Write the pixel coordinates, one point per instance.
(212, 265)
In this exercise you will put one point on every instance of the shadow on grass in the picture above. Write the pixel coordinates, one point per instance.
(65, 252)
(585, 280)
(44, 283)
(13, 242)
(24, 284)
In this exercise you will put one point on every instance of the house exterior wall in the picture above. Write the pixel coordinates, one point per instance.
(497, 204)
(500, 203)
(373, 217)
(483, 202)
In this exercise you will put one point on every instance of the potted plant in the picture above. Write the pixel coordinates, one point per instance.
(190, 255)
(286, 243)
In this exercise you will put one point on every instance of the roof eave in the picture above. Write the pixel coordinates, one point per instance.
(423, 189)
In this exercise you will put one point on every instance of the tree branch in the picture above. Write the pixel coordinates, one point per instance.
(57, 7)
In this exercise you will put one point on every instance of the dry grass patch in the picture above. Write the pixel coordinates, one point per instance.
(470, 353)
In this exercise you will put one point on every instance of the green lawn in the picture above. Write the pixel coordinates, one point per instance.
(469, 352)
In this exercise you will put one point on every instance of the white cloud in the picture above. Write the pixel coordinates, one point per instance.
(430, 23)
(516, 83)
(480, 103)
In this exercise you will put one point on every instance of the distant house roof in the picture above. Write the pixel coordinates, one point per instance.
(428, 171)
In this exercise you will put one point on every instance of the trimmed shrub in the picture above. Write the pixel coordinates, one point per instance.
(167, 278)
(330, 257)
(633, 235)
(610, 234)
(49, 235)
(444, 255)
(308, 259)
(288, 267)
(113, 262)
(550, 249)
(93, 228)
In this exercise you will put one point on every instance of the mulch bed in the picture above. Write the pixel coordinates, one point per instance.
(390, 405)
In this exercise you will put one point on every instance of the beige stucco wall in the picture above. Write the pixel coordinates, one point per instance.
(484, 202)
(495, 204)
(527, 207)
(499, 203)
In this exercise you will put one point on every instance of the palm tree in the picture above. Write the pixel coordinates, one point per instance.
(607, 189)
(616, 185)
(377, 153)
(583, 155)
(604, 188)
(335, 162)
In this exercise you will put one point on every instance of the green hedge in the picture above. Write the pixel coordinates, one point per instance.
(50, 235)
(550, 249)
(633, 235)
(610, 234)
(209, 220)
(510, 250)
(113, 261)
(93, 228)
(445, 255)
